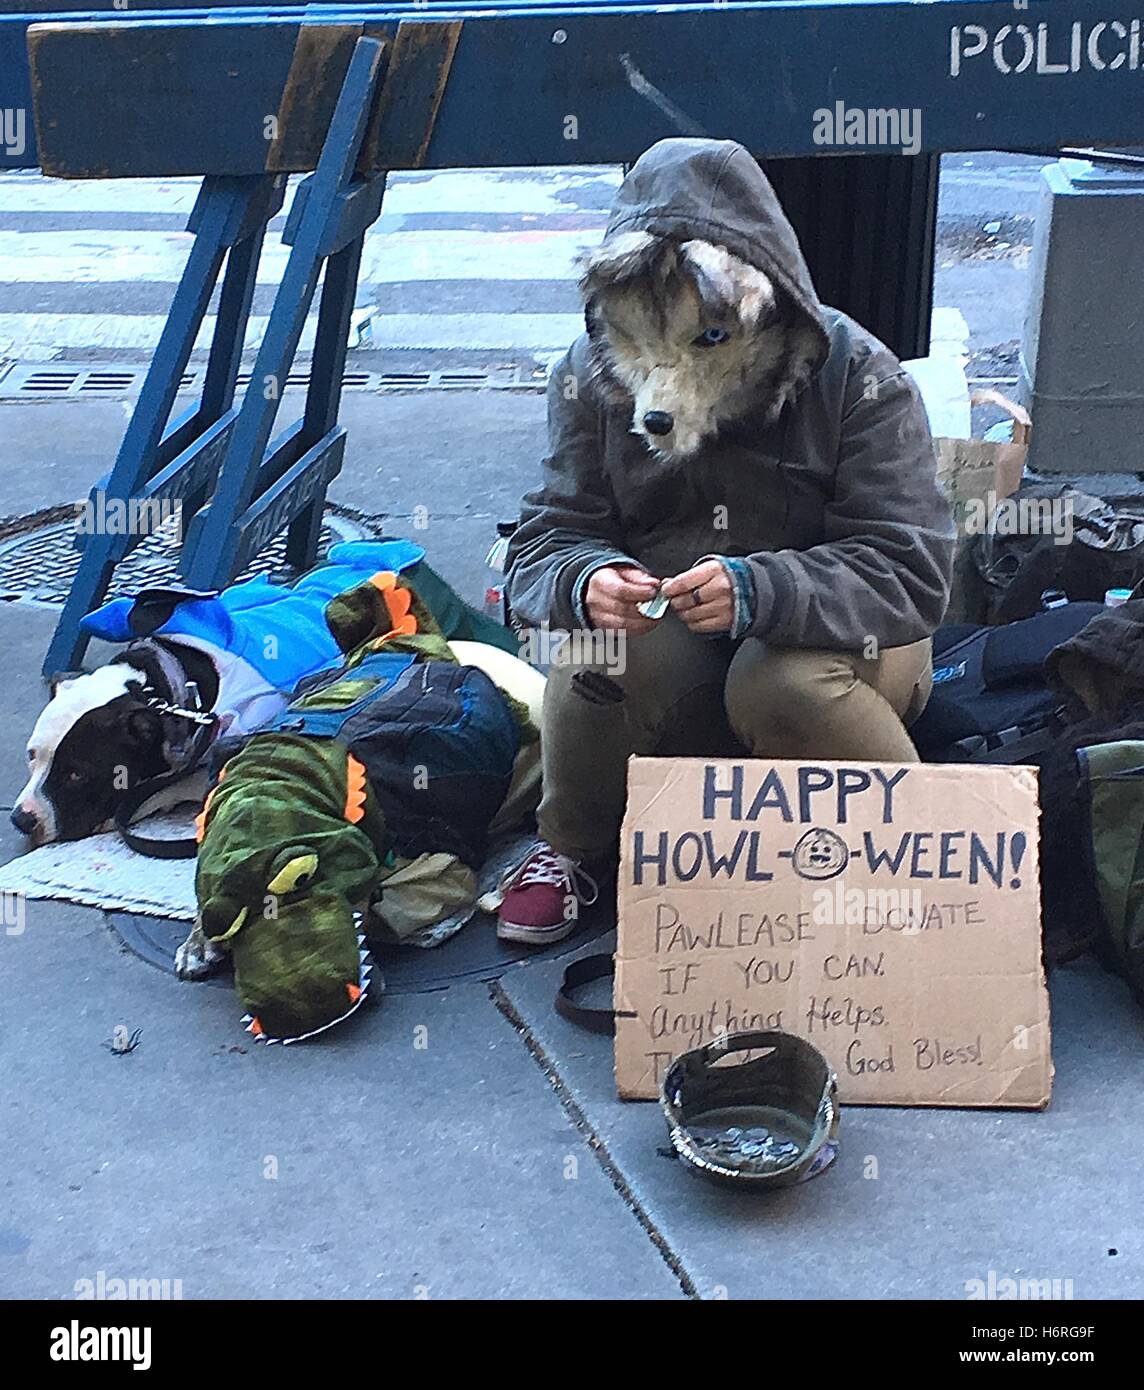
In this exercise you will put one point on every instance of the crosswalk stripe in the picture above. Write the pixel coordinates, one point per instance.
(496, 235)
(474, 190)
(486, 332)
(31, 193)
(90, 256)
(35, 334)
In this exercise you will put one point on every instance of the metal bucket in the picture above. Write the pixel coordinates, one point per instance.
(753, 1110)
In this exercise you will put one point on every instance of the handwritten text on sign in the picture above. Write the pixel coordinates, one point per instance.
(888, 913)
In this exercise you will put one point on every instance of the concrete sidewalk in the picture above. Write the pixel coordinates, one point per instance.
(494, 1161)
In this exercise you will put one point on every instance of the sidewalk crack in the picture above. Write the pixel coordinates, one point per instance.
(584, 1127)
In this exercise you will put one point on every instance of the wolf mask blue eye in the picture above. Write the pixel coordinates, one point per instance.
(712, 337)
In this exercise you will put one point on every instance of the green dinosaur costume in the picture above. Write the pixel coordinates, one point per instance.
(398, 753)
(280, 873)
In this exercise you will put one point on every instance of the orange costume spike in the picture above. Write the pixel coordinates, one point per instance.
(355, 789)
(201, 818)
(398, 601)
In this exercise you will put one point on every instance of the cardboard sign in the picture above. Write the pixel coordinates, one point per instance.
(890, 914)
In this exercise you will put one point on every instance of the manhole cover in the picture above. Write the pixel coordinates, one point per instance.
(473, 954)
(41, 562)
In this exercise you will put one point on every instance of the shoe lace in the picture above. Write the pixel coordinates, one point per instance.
(544, 865)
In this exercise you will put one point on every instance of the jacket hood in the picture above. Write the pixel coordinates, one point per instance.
(714, 190)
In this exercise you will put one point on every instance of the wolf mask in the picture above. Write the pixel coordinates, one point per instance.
(692, 335)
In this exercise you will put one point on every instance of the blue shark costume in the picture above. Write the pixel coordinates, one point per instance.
(265, 638)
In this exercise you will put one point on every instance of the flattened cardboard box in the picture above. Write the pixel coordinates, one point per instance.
(890, 914)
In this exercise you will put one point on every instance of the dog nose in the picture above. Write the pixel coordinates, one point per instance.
(658, 422)
(24, 821)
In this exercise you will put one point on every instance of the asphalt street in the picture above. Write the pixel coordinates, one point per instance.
(474, 262)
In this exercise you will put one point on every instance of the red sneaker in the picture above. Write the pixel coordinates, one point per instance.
(541, 895)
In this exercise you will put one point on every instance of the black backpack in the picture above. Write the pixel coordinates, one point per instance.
(1014, 567)
(991, 702)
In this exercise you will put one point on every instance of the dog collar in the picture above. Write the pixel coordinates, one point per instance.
(199, 727)
(181, 700)
(181, 696)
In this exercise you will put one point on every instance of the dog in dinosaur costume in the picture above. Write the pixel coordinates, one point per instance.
(399, 757)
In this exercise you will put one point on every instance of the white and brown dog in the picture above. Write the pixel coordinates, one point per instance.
(105, 733)
(191, 660)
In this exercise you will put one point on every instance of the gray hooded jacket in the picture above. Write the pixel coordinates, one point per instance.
(834, 506)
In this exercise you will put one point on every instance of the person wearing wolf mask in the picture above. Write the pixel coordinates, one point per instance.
(721, 437)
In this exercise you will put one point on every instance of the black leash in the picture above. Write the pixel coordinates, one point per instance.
(153, 846)
(580, 973)
(158, 846)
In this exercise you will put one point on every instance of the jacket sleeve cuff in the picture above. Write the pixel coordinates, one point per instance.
(742, 579)
(580, 584)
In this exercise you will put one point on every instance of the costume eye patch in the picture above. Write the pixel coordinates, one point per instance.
(295, 873)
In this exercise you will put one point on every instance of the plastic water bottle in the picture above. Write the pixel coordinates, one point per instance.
(495, 560)
(494, 602)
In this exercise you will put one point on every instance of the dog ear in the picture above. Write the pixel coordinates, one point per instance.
(726, 284)
(619, 258)
(61, 680)
(709, 270)
(756, 294)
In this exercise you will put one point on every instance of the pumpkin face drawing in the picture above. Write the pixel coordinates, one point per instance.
(820, 853)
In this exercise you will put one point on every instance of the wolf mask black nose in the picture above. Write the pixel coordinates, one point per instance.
(658, 422)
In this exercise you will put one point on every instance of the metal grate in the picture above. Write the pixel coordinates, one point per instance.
(41, 563)
(77, 379)
(106, 383)
(68, 379)
(350, 380)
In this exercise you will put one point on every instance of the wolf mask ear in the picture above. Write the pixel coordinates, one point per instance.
(620, 258)
(726, 284)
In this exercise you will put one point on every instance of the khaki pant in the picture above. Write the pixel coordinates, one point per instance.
(682, 695)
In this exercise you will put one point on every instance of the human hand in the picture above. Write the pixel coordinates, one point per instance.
(612, 594)
(703, 597)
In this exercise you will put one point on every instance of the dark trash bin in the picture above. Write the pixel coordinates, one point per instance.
(866, 224)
